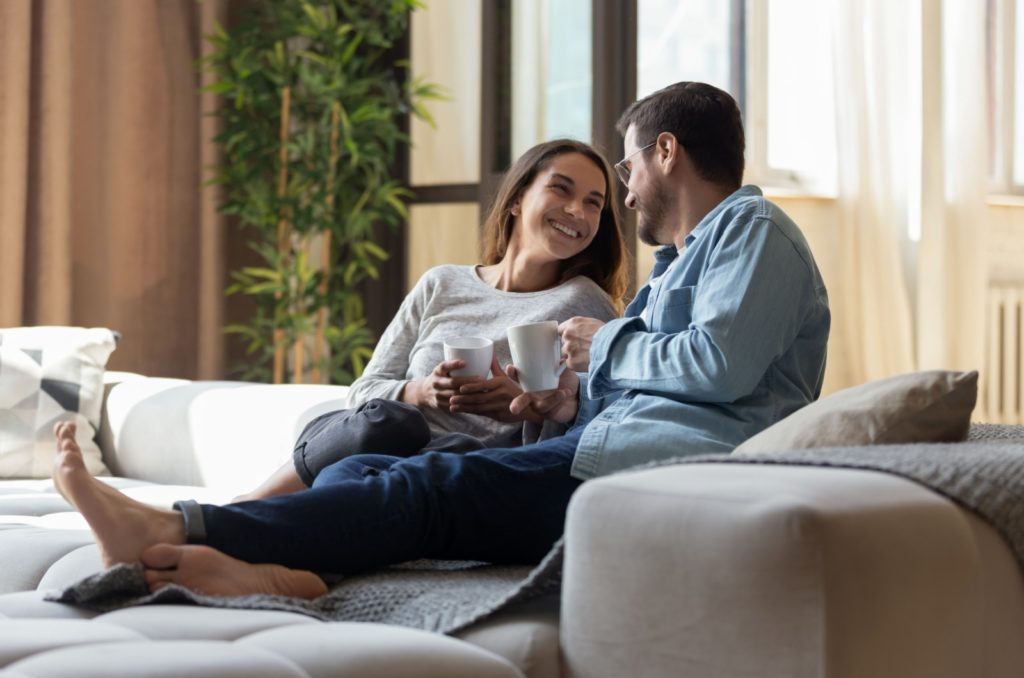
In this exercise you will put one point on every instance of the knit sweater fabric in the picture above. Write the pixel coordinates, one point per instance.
(452, 301)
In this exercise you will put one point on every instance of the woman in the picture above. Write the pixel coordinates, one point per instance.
(552, 250)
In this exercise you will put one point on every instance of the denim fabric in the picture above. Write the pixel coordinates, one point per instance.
(382, 426)
(736, 342)
(368, 510)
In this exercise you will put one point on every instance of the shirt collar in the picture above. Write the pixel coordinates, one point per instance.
(748, 191)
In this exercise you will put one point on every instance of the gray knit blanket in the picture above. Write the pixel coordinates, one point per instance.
(984, 474)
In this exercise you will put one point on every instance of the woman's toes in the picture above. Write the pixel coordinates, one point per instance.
(65, 430)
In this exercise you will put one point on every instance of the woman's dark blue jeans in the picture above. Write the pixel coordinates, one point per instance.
(382, 426)
(369, 510)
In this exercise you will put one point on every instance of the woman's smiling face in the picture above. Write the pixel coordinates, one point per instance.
(559, 213)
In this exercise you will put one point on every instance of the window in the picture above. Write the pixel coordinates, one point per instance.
(1006, 95)
(551, 71)
(791, 114)
(685, 41)
(444, 160)
(774, 56)
(1018, 98)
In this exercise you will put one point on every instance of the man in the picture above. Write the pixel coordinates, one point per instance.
(727, 337)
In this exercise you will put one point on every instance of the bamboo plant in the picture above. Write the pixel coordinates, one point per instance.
(310, 125)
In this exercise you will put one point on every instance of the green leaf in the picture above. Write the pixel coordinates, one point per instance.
(397, 205)
(265, 273)
(219, 87)
(262, 288)
(375, 249)
(318, 20)
(314, 57)
(350, 51)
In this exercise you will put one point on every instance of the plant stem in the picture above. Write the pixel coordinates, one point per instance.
(283, 228)
(325, 245)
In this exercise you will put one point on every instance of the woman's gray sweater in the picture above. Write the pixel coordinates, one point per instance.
(451, 301)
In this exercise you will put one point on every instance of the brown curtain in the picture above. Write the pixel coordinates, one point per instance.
(104, 138)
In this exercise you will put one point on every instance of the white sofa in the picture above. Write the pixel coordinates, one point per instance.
(696, 570)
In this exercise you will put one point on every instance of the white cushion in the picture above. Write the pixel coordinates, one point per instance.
(170, 659)
(356, 650)
(25, 637)
(289, 644)
(50, 374)
(28, 551)
(228, 435)
(189, 622)
(526, 635)
(32, 605)
(73, 567)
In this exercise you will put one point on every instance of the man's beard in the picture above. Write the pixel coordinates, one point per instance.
(651, 217)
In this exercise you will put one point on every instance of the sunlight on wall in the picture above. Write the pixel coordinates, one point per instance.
(445, 46)
(441, 234)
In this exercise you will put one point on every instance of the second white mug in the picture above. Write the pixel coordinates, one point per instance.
(537, 354)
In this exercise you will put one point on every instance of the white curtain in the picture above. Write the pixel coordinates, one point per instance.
(953, 252)
(911, 148)
(872, 317)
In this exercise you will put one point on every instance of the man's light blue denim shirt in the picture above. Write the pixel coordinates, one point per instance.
(736, 342)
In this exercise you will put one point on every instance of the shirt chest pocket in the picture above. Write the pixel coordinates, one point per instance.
(674, 310)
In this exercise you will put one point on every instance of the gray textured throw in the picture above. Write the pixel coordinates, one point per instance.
(984, 474)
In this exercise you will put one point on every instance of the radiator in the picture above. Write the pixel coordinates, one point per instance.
(1003, 393)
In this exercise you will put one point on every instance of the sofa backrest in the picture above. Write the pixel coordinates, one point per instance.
(224, 434)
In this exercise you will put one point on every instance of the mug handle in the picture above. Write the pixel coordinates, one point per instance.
(558, 357)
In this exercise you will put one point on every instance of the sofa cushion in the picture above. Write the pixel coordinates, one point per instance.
(49, 374)
(29, 550)
(170, 659)
(33, 605)
(235, 643)
(25, 637)
(226, 435)
(526, 634)
(188, 622)
(362, 650)
(918, 407)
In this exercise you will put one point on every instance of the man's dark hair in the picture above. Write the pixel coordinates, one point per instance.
(705, 120)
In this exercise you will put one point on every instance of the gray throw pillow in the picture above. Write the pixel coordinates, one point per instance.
(918, 407)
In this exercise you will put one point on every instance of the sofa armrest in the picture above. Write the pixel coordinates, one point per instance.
(751, 570)
(222, 434)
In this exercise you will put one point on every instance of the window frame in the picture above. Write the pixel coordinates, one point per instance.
(1002, 45)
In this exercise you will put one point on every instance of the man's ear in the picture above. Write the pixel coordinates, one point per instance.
(667, 151)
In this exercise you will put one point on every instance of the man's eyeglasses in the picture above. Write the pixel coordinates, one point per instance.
(624, 170)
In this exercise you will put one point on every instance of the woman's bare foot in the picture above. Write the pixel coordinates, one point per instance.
(208, 571)
(284, 480)
(123, 527)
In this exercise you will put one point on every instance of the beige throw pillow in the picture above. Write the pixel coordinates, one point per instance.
(50, 374)
(918, 407)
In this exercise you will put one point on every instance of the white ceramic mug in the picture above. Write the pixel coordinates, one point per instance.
(477, 353)
(537, 354)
